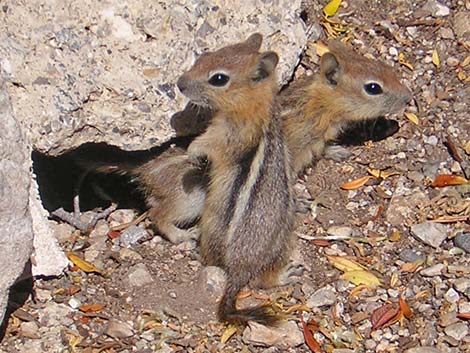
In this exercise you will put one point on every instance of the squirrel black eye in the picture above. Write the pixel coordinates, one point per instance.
(219, 79)
(373, 88)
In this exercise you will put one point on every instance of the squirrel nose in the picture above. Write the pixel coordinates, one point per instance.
(182, 84)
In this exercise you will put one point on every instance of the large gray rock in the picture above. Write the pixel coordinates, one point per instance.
(16, 234)
(106, 71)
(93, 71)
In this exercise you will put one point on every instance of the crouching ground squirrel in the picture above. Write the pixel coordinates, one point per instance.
(348, 88)
(246, 223)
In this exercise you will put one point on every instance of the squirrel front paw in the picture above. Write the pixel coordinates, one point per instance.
(196, 156)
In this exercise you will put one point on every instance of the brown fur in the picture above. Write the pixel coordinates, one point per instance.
(319, 107)
(246, 223)
(174, 191)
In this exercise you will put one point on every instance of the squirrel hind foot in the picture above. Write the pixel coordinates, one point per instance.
(263, 314)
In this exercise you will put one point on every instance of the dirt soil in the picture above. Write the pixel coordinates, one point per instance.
(155, 296)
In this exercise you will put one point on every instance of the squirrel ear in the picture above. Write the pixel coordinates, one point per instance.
(267, 62)
(330, 69)
(254, 41)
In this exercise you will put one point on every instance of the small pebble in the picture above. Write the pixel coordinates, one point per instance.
(409, 255)
(119, 329)
(132, 235)
(139, 276)
(29, 329)
(430, 233)
(462, 284)
(462, 240)
(452, 296)
(340, 231)
(457, 331)
(74, 303)
(322, 297)
(432, 271)
(286, 335)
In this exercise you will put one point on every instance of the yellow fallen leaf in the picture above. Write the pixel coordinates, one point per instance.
(85, 266)
(412, 117)
(344, 264)
(467, 148)
(466, 61)
(394, 280)
(331, 8)
(361, 277)
(462, 76)
(356, 183)
(381, 174)
(228, 333)
(435, 58)
(402, 61)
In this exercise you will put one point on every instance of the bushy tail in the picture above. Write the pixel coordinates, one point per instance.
(227, 311)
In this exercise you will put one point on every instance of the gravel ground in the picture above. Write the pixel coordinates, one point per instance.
(145, 294)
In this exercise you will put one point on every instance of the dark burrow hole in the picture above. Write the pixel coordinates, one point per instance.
(61, 178)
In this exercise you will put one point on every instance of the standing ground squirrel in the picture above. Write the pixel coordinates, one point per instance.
(349, 88)
(246, 223)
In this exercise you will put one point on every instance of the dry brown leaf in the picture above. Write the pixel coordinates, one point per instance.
(72, 290)
(356, 183)
(381, 316)
(435, 58)
(412, 117)
(396, 236)
(228, 333)
(412, 266)
(114, 234)
(321, 242)
(361, 277)
(404, 307)
(402, 61)
(344, 264)
(448, 179)
(297, 307)
(422, 294)
(357, 290)
(331, 8)
(85, 266)
(467, 148)
(91, 308)
(465, 316)
(308, 336)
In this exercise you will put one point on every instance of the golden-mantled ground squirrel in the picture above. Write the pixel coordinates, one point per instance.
(348, 89)
(246, 223)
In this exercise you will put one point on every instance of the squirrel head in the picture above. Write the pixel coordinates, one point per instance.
(235, 75)
(365, 88)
